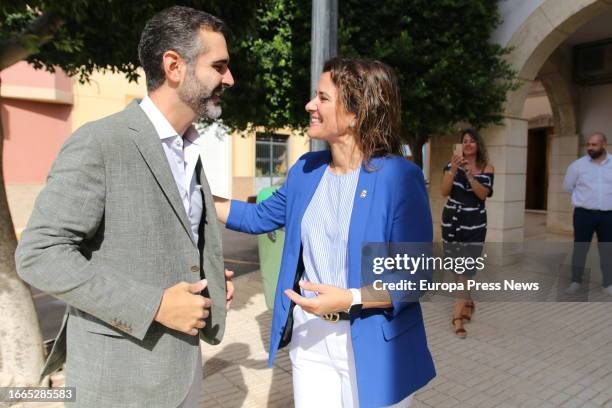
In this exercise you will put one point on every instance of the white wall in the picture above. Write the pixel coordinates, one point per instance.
(595, 110)
(217, 159)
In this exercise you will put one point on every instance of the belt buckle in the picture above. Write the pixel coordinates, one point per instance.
(333, 317)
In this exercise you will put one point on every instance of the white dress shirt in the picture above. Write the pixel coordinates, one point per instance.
(590, 183)
(182, 153)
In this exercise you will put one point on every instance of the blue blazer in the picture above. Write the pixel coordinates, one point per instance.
(390, 347)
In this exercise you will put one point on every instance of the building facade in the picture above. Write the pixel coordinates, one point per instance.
(565, 94)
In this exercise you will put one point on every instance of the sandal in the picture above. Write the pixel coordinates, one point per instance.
(472, 307)
(460, 332)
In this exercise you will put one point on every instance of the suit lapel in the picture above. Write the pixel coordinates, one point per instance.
(313, 178)
(212, 259)
(209, 215)
(364, 194)
(147, 141)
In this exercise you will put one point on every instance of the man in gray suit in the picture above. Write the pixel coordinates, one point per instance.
(125, 231)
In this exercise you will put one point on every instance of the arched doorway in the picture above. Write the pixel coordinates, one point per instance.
(534, 40)
(555, 76)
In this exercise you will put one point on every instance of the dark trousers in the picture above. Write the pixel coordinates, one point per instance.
(587, 223)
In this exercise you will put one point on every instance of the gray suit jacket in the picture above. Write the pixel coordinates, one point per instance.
(108, 233)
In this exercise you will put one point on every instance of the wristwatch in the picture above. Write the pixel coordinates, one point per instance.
(356, 304)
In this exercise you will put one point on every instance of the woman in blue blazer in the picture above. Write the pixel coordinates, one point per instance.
(345, 351)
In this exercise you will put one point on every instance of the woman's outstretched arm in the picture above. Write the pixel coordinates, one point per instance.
(260, 218)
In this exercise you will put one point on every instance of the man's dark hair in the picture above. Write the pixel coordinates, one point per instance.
(175, 28)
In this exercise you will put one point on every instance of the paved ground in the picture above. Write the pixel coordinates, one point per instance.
(516, 355)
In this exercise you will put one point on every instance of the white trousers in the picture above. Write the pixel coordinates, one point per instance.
(323, 365)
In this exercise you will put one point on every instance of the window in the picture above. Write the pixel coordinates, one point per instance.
(270, 159)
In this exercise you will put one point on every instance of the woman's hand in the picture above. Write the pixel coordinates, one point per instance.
(329, 298)
(478, 189)
(469, 170)
(448, 177)
(456, 162)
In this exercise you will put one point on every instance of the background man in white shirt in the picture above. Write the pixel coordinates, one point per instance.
(589, 179)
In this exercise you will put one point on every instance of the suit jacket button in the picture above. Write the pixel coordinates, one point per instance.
(195, 268)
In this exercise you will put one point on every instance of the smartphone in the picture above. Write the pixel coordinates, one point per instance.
(458, 150)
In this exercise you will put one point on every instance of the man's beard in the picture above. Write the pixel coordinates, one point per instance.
(198, 97)
(595, 153)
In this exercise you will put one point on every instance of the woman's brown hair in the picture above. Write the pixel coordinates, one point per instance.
(482, 157)
(368, 89)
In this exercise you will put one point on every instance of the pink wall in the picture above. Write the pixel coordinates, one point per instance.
(33, 135)
(22, 74)
(33, 131)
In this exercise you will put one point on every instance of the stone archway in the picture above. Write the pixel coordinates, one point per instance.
(532, 43)
(555, 76)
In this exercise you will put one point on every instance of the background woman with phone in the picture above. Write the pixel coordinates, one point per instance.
(467, 181)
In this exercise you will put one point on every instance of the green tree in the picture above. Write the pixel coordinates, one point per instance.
(448, 70)
(271, 64)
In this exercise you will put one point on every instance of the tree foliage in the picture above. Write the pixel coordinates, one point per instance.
(83, 36)
(271, 65)
(448, 70)
(98, 35)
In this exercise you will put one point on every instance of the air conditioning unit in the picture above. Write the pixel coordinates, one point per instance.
(593, 63)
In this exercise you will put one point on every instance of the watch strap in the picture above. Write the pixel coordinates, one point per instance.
(356, 304)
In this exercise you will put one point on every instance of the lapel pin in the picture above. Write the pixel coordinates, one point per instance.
(363, 193)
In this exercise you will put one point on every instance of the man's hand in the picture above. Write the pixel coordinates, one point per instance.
(329, 299)
(183, 309)
(229, 287)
